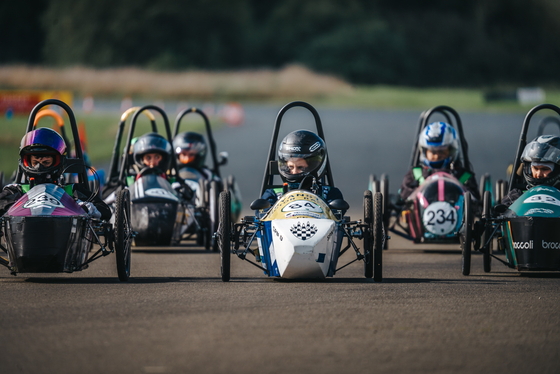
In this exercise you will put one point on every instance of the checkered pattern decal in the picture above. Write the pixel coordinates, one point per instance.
(303, 231)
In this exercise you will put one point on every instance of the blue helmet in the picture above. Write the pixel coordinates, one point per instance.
(441, 138)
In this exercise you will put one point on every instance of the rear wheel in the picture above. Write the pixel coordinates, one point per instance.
(223, 234)
(498, 191)
(123, 234)
(374, 185)
(505, 185)
(203, 220)
(213, 196)
(487, 250)
(466, 244)
(378, 237)
(485, 185)
(368, 234)
(384, 187)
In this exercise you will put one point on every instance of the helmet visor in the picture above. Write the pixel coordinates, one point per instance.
(542, 152)
(40, 140)
(298, 165)
(146, 144)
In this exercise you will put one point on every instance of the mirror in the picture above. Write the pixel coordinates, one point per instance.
(223, 158)
(339, 204)
(260, 204)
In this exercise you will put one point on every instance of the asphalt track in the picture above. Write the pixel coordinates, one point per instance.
(176, 316)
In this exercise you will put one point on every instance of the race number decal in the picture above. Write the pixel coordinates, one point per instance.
(542, 198)
(302, 206)
(440, 218)
(43, 199)
(160, 192)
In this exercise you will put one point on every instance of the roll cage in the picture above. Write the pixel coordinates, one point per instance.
(516, 179)
(216, 164)
(452, 117)
(74, 165)
(271, 167)
(118, 174)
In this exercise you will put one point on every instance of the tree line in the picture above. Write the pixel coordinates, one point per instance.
(399, 42)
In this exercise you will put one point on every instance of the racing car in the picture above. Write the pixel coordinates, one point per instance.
(433, 212)
(501, 187)
(157, 208)
(46, 231)
(528, 231)
(300, 236)
(207, 183)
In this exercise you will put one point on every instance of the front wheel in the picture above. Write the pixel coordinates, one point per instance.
(384, 186)
(378, 237)
(368, 234)
(213, 196)
(123, 234)
(466, 243)
(223, 234)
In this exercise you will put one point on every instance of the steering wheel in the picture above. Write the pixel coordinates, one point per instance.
(147, 170)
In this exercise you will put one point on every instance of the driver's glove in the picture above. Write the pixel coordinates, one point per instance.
(90, 209)
(183, 190)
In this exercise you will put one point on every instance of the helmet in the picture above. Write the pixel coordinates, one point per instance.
(544, 149)
(438, 136)
(302, 153)
(42, 142)
(195, 144)
(152, 143)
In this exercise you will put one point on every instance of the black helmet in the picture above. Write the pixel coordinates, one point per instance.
(195, 144)
(152, 143)
(42, 142)
(302, 153)
(543, 150)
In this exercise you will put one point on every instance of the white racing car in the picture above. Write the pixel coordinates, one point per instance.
(301, 236)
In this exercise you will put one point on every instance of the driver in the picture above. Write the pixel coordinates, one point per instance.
(438, 152)
(541, 165)
(303, 155)
(152, 153)
(42, 155)
(191, 149)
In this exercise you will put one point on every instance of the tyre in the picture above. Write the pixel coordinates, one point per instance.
(200, 217)
(368, 234)
(487, 252)
(378, 237)
(485, 185)
(498, 191)
(466, 243)
(373, 184)
(505, 186)
(223, 234)
(123, 234)
(213, 214)
(384, 187)
(236, 198)
(230, 183)
(1, 180)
